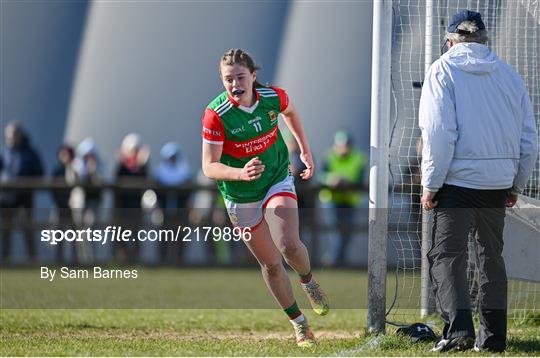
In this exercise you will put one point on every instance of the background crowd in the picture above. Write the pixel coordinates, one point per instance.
(171, 194)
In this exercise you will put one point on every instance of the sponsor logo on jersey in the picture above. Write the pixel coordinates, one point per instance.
(211, 132)
(251, 147)
(273, 116)
(256, 119)
(237, 130)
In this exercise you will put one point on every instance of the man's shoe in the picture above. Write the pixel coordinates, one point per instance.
(317, 297)
(454, 344)
(304, 335)
(489, 350)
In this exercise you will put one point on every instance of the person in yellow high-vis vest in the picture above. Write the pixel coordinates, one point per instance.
(344, 166)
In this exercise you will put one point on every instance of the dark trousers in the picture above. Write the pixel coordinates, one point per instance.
(8, 219)
(345, 216)
(457, 211)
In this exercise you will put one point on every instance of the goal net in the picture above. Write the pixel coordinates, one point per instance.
(418, 34)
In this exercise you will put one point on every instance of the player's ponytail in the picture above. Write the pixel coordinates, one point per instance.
(237, 56)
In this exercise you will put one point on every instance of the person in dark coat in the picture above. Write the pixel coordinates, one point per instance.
(18, 159)
(133, 164)
(65, 173)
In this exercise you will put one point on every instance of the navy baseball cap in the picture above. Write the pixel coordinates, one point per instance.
(465, 15)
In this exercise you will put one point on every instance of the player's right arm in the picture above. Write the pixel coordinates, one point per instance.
(213, 138)
(216, 170)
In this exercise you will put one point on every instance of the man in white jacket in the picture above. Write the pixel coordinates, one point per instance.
(480, 147)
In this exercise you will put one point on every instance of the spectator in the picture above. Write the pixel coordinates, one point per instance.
(18, 160)
(344, 166)
(133, 164)
(64, 171)
(173, 171)
(480, 146)
(89, 170)
(85, 200)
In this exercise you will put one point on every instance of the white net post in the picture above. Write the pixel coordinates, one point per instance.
(427, 302)
(378, 175)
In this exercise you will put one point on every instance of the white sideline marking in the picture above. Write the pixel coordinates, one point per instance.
(369, 345)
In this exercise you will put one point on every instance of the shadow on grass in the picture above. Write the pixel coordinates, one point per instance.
(86, 325)
(524, 345)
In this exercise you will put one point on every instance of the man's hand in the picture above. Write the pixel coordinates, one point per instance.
(427, 200)
(511, 199)
(252, 170)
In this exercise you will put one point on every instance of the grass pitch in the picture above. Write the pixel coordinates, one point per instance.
(205, 332)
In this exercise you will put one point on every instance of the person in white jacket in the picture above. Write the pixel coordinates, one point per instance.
(479, 148)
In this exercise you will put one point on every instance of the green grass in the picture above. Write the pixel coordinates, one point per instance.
(169, 288)
(186, 332)
(203, 332)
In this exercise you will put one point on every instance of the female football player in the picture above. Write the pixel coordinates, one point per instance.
(243, 150)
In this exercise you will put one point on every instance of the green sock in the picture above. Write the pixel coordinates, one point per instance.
(293, 311)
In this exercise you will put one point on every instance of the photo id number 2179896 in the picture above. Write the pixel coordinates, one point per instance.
(215, 233)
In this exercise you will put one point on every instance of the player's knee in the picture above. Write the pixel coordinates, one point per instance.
(272, 268)
(290, 248)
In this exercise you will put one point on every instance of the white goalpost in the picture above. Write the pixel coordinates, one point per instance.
(378, 173)
(401, 235)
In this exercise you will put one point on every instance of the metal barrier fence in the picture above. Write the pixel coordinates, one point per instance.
(317, 230)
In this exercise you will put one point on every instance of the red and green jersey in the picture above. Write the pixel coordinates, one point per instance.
(246, 133)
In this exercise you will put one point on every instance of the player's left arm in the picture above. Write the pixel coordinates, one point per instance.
(293, 121)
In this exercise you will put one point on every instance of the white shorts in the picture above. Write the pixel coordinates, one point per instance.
(251, 214)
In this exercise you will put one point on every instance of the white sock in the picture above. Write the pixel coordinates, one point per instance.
(298, 319)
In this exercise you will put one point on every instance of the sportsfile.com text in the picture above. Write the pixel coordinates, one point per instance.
(120, 234)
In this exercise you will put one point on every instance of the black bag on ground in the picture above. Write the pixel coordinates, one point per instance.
(418, 332)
